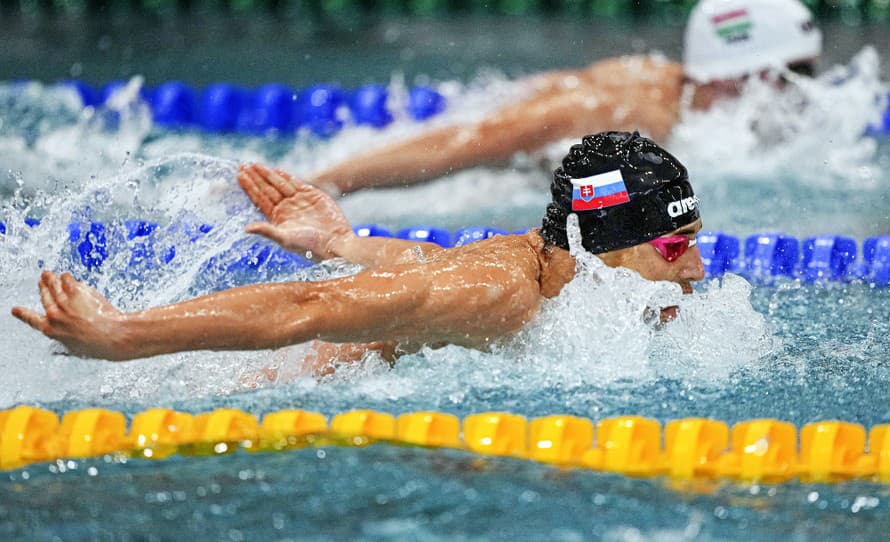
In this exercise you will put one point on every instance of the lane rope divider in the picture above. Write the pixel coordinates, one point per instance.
(762, 258)
(754, 451)
(321, 109)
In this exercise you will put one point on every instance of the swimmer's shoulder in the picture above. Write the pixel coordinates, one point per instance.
(529, 241)
(522, 251)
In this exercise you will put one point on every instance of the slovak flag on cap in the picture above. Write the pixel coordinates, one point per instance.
(599, 191)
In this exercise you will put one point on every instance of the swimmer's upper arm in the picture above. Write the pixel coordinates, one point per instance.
(475, 296)
(460, 298)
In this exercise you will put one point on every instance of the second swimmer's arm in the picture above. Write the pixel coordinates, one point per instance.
(525, 126)
(642, 94)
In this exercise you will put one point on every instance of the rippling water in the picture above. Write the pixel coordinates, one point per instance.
(792, 351)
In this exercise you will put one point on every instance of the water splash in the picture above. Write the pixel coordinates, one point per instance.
(64, 165)
(812, 131)
(178, 193)
(604, 326)
(58, 142)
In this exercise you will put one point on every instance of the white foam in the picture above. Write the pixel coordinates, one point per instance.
(594, 332)
(812, 132)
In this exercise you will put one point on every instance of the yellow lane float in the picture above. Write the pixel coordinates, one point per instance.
(752, 451)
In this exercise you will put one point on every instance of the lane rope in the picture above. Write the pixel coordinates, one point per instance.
(761, 258)
(752, 451)
(321, 109)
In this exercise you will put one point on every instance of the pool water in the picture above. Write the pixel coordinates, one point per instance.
(793, 351)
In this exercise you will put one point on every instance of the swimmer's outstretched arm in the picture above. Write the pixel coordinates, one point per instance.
(469, 302)
(302, 218)
(617, 94)
(526, 126)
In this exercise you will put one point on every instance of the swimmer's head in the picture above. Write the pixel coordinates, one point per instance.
(729, 39)
(625, 189)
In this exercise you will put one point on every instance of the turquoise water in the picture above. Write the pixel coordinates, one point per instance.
(792, 351)
(833, 367)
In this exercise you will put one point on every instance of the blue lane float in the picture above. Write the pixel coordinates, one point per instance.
(269, 108)
(769, 256)
(219, 106)
(369, 106)
(761, 258)
(427, 234)
(276, 108)
(317, 109)
(425, 102)
(173, 105)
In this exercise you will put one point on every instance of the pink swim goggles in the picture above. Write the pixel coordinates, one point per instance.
(671, 248)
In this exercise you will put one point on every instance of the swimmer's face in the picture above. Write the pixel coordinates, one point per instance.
(646, 260)
(650, 264)
(707, 94)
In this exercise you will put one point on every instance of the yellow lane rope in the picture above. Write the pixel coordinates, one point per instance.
(763, 450)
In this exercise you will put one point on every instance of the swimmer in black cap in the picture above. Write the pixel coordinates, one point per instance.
(635, 207)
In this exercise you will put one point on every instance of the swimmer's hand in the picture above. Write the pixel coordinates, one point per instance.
(300, 216)
(78, 317)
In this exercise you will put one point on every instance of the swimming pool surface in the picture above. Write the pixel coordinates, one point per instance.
(793, 351)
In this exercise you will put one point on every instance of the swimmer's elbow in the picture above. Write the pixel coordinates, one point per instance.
(299, 316)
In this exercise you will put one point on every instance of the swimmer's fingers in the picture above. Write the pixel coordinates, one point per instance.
(70, 290)
(33, 319)
(295, 184)
(259, 175)
(259, 198)
(266, 230)
(69, 283)
(55, 285)
(284, 183)
(273, 185)
(47, 292)
(287, 176)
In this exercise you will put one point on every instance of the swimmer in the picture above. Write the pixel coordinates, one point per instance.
(635, 208)
(726, 41)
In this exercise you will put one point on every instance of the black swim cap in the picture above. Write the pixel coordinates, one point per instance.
(625, 189)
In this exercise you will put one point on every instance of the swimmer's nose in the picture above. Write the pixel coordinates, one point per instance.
(693, 268)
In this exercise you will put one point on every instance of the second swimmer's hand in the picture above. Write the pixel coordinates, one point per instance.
(300, 216)
(78, 317)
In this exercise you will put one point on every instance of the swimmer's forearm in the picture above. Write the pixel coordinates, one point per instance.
(438, 153)
(426, 157)
(246, 318)
(267, 316)
(374, 252)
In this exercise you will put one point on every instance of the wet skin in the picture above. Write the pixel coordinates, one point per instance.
(410, 293)
(628, 93)
(646, 261)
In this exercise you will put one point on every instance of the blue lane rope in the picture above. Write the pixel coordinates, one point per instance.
(762, 258)
(273, 107)
(278, 108)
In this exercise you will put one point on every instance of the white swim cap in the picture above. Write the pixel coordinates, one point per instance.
(726, 39)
